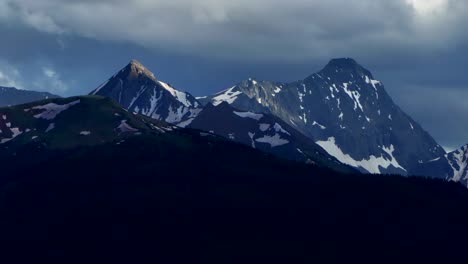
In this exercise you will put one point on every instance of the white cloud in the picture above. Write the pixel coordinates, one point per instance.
(51, 81)
(49, 72)
(9, 76)
(428, 7)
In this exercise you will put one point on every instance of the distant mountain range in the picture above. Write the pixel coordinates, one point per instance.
(342, 108)
(12, 96)
(93, 120)
(340, 115)
(134, 190)
(141, 171)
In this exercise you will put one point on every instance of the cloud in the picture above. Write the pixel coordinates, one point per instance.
(255, 30)
(442, 110)
(51, 79)
(49, 73)
(419, 48)
(9, 76)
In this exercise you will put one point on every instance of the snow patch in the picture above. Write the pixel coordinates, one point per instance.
(274, 141)
(124, 127)
(176, 116)
(252, 135)
(264, 127)
(154, 99)
(51, 110)
(459, 164)
(15, 132)
(372, 164)
(249, 115)
(180, 96)
(319, 125)
(355, 96)
(228, 96)
(50, 127)
(278, 128)
(134, 99)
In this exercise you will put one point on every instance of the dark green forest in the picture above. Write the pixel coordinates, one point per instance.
(150, 198)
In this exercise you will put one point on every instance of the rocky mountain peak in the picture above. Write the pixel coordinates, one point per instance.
(136, 69)
(347, 112)
(137, 90)
(345, 69)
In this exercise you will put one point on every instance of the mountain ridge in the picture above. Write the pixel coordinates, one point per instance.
(13, 96)
(264, 132)
(452, 166)
(137, 89)
(345, 109)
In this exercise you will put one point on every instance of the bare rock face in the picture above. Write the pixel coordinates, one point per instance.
(452, 166)
(137, 89)
(264, 132)
(344, 109)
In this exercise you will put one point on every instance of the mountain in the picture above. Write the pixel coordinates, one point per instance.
(264, 132)
(137, 89)
(69, 122)
(83, 178)
(346, 111)
(187, 197)
(31, 133)
(12, 96)
(452, 166)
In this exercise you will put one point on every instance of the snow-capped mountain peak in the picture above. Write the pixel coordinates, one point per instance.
(136, 88)
(345, 102)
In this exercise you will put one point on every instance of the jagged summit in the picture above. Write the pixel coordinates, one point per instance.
(136, 68)
(344, 109)
(136, 88)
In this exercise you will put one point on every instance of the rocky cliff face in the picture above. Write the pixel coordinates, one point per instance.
(138, 90)
(452, 166)
(344, 109)
(266, 133)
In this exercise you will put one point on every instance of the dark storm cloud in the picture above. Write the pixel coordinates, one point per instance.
(418, 48)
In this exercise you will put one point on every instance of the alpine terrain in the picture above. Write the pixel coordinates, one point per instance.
(264, 132)
(81, 178)
(12, 96)
(84, 178)
(137, 89)
(452, 166)
(30, 133)
(344, 109)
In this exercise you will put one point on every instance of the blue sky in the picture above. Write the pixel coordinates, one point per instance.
(418, 48)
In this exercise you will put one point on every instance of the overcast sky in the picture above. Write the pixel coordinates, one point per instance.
(418, 48)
